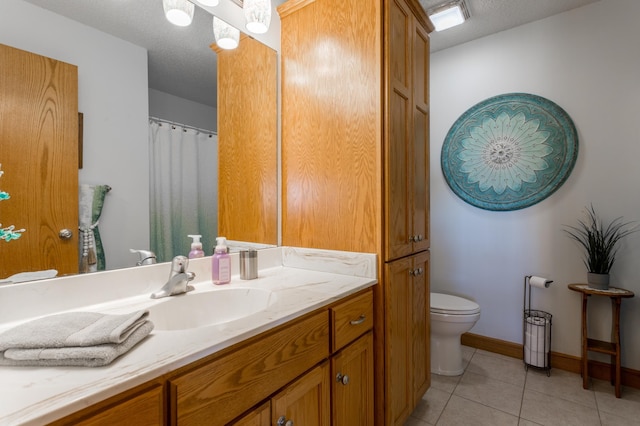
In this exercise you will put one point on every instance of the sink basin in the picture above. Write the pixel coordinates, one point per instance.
(194, 310)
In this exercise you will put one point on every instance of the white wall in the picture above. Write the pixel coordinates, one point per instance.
(169, 107)
(587, 61)
(113, 95)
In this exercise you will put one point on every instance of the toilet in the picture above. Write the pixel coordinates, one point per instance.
(450, 317)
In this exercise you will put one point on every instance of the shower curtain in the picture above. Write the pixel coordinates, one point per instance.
(184, 188)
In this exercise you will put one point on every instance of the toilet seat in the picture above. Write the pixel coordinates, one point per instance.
(452, 305)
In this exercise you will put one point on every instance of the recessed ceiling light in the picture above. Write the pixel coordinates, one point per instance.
(448, 15)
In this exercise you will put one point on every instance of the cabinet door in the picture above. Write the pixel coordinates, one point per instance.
(420, 326)
(407, 362)
(304, 402)
(261, 416)
(407, 168)
(352, 384)
(420, 193)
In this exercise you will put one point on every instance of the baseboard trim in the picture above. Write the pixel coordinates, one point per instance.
(597, 369)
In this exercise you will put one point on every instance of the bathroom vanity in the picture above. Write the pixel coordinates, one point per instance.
(305, 351)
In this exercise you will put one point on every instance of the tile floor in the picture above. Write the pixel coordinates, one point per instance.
(495, 390)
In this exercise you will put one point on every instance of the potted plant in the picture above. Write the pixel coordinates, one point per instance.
(599, 242)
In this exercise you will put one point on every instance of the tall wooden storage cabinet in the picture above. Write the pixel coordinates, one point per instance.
(355, 165)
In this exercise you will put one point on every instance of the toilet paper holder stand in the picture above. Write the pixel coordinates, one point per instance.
(536, 329)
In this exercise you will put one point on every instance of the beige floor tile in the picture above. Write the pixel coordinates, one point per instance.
(609, 419)
(524, 422)
(499, 367)
(627, 407)
(547, 410)
(462, 412)
(491, 392)
(444, 383)
(561, 384)
(431, 406)
(412, 421)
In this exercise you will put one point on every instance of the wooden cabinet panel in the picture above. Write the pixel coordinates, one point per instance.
(420, 300)
(247, 115)
(306, 401)
(407, 166)
(407, 366)
(331, 124)
(143, 409)
(261, 416)
(352, 401)
(351, 319)
(221, 390)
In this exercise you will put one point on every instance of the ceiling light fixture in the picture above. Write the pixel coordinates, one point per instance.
(227, 37)
(448, 15)
(258, 15)
(209, 2)
(178, 12)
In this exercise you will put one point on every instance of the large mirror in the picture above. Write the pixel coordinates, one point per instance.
(120, 85)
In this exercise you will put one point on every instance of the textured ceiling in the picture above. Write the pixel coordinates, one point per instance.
(181, 63)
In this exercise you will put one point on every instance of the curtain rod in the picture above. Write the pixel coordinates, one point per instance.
(185, 126)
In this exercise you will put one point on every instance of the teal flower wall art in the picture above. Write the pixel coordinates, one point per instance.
(509, 152)
(8, 233)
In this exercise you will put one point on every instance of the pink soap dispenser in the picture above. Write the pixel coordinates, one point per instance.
(221, 263)
(196, 247)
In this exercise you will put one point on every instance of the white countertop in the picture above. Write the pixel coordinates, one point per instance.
(36, 395)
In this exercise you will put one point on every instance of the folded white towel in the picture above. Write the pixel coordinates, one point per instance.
(75, 338)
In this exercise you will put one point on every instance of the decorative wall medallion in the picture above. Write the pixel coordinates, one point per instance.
(509, 152)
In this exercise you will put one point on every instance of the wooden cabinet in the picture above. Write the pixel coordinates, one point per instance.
(260, 416)
(221, 389)
(141, 406)
(305, 401)
(355, 164)
(407, 147)
(352, 384)
(288, 373)
(407, 374)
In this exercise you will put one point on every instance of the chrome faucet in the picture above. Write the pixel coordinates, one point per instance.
(147, 257)
(179, 278)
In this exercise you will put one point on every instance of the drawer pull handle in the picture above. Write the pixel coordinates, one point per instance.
(282, 421)
(358, 321)
(342, 378)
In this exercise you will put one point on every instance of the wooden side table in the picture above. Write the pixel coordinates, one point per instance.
(611, 348)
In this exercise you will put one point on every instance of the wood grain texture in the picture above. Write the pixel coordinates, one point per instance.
(221, 390)
(260, 416)
(247, 143)
(143, 405)
(353, 403)
(331, 125)
(307, 401)
(350, 320)
(39, 157)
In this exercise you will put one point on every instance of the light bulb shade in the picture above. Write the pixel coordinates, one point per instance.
(258, 15)
(227, 37)
(178, 12)
(209, 2)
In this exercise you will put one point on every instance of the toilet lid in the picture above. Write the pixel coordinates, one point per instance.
(448, 304)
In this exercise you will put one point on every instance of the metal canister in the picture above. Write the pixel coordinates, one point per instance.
(248, 264)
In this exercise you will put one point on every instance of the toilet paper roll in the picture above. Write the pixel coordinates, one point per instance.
(537, 334)
(535, 358)
(539, 282)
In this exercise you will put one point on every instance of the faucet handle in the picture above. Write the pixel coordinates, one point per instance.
(179, 264)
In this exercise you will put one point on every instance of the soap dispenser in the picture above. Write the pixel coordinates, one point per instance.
(196, 247)
(221, 263)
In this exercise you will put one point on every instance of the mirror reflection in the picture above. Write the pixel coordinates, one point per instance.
(118, 92)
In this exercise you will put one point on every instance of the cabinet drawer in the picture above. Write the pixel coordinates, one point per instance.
(221, 390)
(351, 319)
